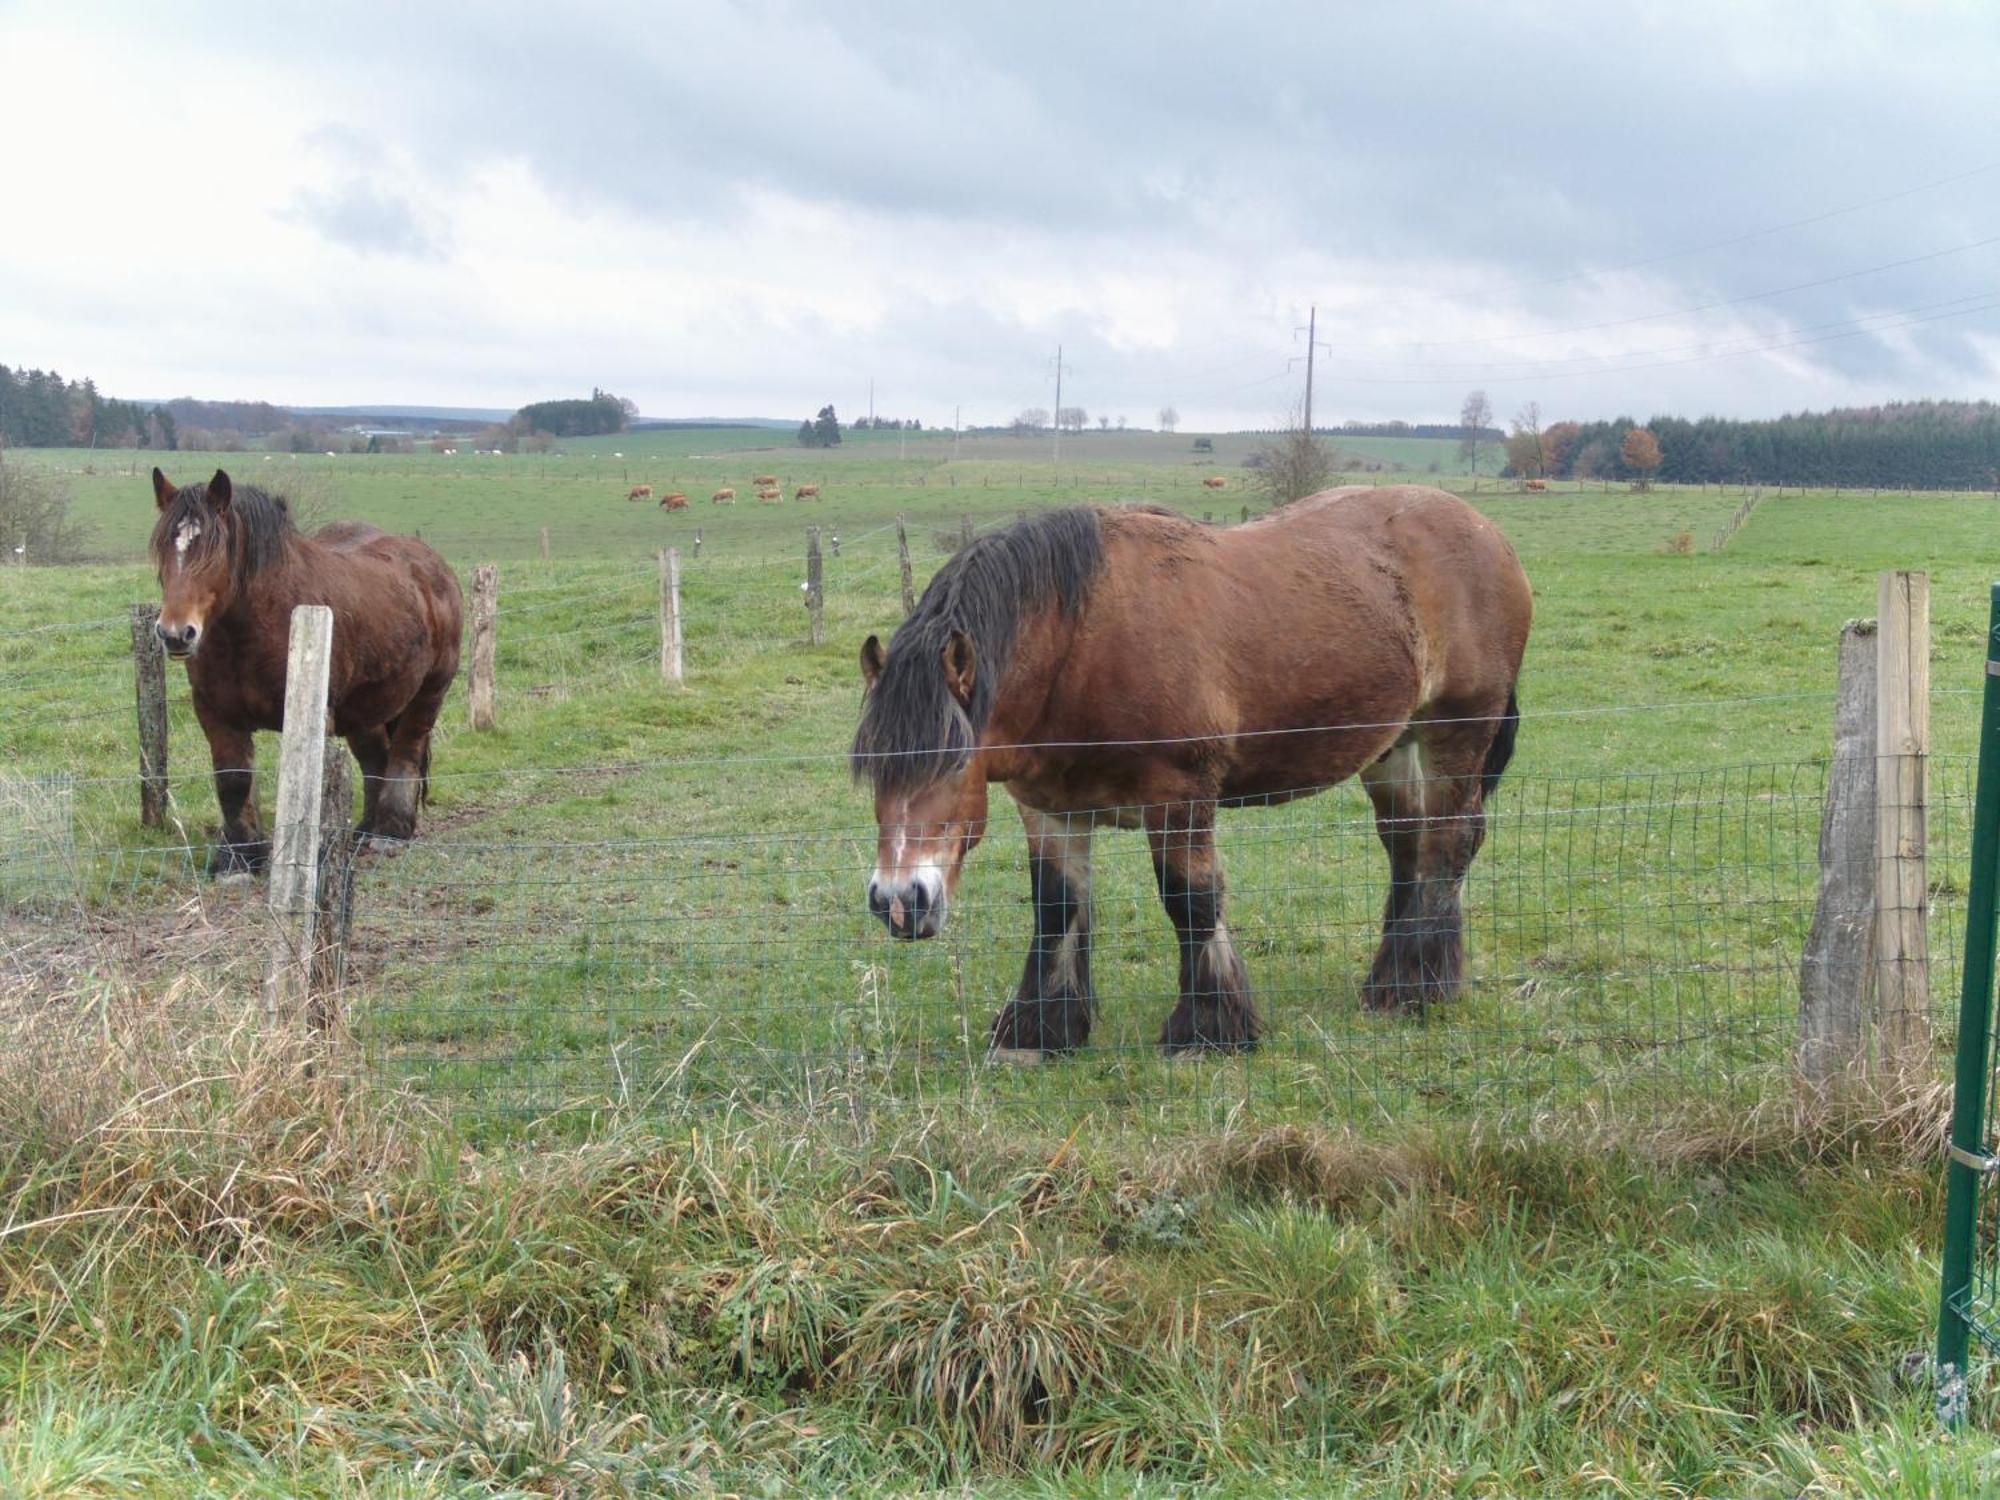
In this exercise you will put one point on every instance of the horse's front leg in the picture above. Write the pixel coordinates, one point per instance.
(1214, 1013)
(1051, 1010)
(371, 753)
(244, 848)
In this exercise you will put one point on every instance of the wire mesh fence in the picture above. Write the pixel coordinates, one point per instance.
(1634, 946)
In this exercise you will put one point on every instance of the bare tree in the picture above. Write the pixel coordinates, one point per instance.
(1169, 419)
(1034, 419)
(1072, 418)
(35, 525)
(1525, 453)
(1293, 464)
(1121, 422)
(1474, 417)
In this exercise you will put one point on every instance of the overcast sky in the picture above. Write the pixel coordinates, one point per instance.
(754, 208)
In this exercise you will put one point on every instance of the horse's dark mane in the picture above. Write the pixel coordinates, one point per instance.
(913, 731)
(260, 523)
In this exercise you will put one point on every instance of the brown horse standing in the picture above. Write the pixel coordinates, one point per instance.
(232, 567)
(1131, 667)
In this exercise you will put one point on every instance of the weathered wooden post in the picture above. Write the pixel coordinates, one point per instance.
(1245, 516)
(545, 544)
(294, 873)
(697, 541)
(964, 531)
(485, 624)
(149, 670)
(670, 615)
(1902, 889)
(903, 566)
(334, 914)
(1837, 968)
(815, 593)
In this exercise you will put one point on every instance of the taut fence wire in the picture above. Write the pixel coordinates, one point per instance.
(1634, 947)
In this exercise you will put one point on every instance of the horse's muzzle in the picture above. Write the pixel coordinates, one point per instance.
(179, 640)
(909, 910)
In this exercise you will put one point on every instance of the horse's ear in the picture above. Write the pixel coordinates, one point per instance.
(871, 660)
(163, 490)
(959, 665)
(220, 492)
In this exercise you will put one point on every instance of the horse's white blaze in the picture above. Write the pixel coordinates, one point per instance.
(184, 536)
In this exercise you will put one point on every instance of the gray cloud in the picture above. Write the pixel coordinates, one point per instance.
(1427, 173)
(362, 216)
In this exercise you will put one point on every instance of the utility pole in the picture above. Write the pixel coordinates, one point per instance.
(871, 403)
(1312, 345)
(954, 434)
(1056, 452)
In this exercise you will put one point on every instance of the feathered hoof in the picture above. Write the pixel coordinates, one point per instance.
(1016, 1057)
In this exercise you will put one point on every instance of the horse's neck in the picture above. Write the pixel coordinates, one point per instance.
(1020, 706)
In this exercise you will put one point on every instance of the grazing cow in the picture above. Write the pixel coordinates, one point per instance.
(675, 501)
(770, 492)
(1536, 486)
(723, 497)
(1214, 482)
(764, 481)
(807, 492)
(641, 492)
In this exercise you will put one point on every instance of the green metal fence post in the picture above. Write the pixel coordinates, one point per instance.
(1969, 1161)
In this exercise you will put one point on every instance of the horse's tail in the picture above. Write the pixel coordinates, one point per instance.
(1502, 749)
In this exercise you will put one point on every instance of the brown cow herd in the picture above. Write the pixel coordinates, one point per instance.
(767, 487)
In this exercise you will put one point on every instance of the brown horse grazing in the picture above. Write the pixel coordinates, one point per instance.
(232, 566)
(675, 501)
(1128, 666)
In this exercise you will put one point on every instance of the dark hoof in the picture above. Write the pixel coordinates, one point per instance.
(1395, 997)
(375, 841)
(238, 859)
(1044, 1028)
(1199, 1029)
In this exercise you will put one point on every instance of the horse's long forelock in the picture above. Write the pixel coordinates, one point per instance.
(913, 731)
(260, 524)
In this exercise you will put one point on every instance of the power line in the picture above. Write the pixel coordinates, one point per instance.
(1675, 312)
(1653, 260)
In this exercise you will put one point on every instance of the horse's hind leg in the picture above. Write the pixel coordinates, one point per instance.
(1214, 1011)
(409, 760)
(244, 848)
(1051, 1011)
(371, 753)
(1430, 814)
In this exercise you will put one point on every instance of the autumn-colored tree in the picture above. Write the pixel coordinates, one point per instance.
(1641, 454)
(1559, 445)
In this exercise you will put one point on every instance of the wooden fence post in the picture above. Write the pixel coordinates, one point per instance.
(1902, 893)
(833, 538)
(1245, 515)
(903, 566)
(334, 912)
(697, 541)
(294, 893)
(149, 669)
(815, 593)
(485, 622)
(1837, 967)
(670, 615)
(965, 531)
(545, 544)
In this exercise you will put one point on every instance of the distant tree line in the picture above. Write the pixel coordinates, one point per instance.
(886, 424)
(1454, 431)
(39, 409)
(1946, 445)
(602, 413)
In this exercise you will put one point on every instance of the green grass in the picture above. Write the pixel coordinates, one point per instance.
(672, 929)
(223, 1280)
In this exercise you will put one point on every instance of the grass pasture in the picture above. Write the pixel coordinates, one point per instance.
(788, 1236)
